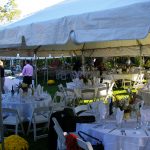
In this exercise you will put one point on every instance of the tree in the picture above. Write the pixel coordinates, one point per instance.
(9, 11)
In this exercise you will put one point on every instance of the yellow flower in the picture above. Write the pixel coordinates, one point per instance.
(24, 85)
(15, 142)
(51, 82)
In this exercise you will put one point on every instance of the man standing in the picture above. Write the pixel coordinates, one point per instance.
(27, 73)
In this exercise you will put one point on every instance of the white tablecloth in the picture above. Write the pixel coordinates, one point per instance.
(133, 140)
(25, 106)
(11, 81)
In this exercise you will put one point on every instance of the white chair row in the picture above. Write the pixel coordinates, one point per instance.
(71, 96)
(40, 115)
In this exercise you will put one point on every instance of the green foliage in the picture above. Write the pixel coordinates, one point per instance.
(138, 60)
(147, 64)
(109, 64)
(9, 11)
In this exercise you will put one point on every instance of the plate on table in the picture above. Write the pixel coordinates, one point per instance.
(39, 99)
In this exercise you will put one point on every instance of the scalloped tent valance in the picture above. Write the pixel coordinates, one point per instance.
(107, 27)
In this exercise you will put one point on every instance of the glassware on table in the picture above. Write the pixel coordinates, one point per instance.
(103, 114)
(119, 117)
(138, 120)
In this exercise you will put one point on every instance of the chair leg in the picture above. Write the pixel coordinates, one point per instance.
(34, 130)
(16, 129)
(29, 126)
(22, 128)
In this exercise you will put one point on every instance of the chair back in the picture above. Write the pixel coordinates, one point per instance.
(12, 118)
(60, 134)
(80, 108)
(88, 94)
(45, 111)
(62, 139)
(58, 97)
(102, 91)
(84, 145)
(61, 88)
(70, 96)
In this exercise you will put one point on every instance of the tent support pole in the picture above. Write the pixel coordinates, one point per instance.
(83, 59)
(83, 64)
(35, 53)
(140, 45)
(1, 116)
(47, 69)
(35, 69)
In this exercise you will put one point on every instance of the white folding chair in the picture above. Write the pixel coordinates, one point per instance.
(62, 89)
(58, 102)
(84, 145)
(139, 82)
(62, 139)
(40, 121)
(87, 94)
(126, 82)
(102, 92)
(58, 97)
(12, 118)
(70, 97)
(81, 108)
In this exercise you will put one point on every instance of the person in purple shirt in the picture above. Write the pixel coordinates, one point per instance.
(27, 73)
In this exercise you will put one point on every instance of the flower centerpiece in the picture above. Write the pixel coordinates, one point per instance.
(127, 103)
(15, 142)
(23, 86)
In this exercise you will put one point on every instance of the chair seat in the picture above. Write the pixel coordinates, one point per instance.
(10, 120)
(13, 118)
(40, 119)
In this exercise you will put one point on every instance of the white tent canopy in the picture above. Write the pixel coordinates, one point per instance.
(98, 27)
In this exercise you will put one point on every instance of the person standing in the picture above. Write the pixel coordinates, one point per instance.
(27, 73)
(2, 76)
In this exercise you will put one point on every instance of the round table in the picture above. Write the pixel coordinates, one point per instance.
(25, 105)
(113, 138)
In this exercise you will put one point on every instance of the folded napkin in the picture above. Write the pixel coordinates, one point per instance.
(38, 89)
(29, 92)
(42, 89)
(21, 92)
(102, 110)
(119, 115)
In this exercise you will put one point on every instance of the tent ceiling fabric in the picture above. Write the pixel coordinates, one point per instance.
(99, 24)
